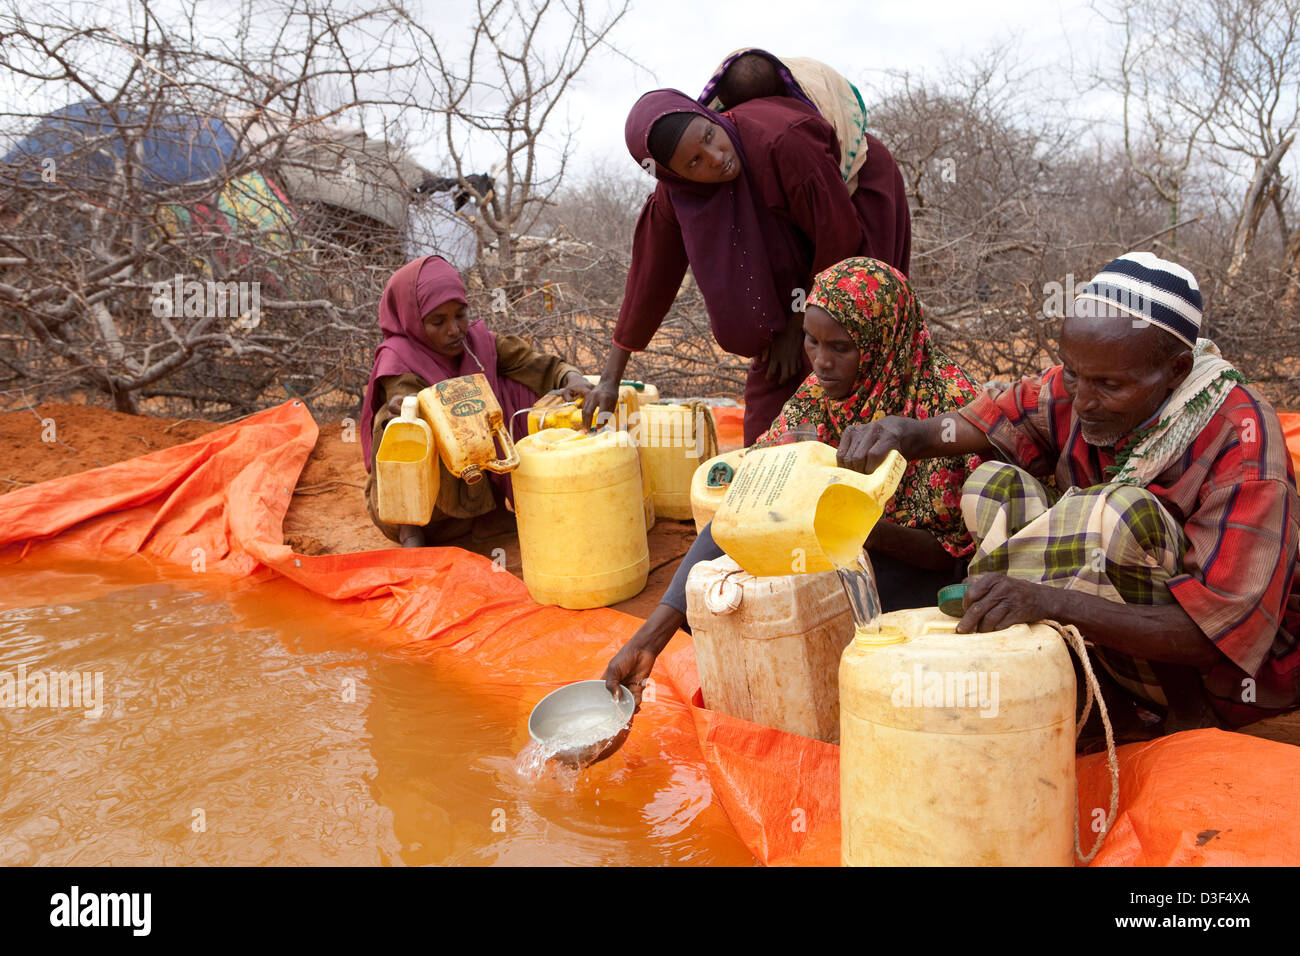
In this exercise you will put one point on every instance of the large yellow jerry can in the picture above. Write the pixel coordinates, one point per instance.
(956, 749)
(468, 424)
(791, 510)
(768, 649)
(582, 533)
(674, 440)
(709, 485)
(406, 468)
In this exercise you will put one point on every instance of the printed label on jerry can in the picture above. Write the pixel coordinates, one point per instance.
(469, 407)
(761, 480)
(456, 390)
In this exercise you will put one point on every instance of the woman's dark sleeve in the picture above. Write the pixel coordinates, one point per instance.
(807, 163)
(658, 267)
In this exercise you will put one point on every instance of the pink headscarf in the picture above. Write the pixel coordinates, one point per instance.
(413, 292)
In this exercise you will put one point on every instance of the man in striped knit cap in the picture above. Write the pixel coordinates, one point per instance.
(1170, 536)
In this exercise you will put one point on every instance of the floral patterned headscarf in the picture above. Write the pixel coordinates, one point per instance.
(900, 372)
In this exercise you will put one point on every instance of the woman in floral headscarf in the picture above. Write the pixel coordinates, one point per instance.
(869, 307)
(872, 356)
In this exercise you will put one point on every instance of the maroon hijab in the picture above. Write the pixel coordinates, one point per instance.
(726, 228)
(413, 292)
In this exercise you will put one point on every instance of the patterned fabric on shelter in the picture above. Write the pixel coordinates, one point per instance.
(250, 213)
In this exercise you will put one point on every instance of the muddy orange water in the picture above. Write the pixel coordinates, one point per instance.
(254, 724)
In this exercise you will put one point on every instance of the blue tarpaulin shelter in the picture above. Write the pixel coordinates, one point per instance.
(89, 143)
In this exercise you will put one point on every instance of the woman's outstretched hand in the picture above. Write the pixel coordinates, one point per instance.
(604, 398)
(631, 666)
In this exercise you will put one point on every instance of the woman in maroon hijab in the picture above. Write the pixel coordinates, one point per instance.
(428, 338)
(753, 200)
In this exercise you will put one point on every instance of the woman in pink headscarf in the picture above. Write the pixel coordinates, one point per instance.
(428, 338)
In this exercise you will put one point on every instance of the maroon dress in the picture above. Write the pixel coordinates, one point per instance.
(808, 221)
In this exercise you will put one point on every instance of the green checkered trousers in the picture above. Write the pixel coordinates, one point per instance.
(1114, 541)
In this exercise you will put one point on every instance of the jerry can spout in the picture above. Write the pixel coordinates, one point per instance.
(879, 485)
(850, 505)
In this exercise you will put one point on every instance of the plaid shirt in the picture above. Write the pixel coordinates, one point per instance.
(1233, 492)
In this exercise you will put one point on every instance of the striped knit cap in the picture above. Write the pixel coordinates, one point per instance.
(1142, 285)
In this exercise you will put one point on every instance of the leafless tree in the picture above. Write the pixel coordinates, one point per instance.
(1211, 94)
(503, 82)
(309, 97)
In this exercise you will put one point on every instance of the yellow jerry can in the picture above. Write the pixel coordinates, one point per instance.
(580, 508)
(790, 510)
(956, 749)
(406, 468)
(709, 485)
(468, 425)
(674, 440)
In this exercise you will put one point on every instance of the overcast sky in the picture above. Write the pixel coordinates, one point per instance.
(677, 43)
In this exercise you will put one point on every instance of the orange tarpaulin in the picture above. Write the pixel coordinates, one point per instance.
(1202, 797)
(731, 426)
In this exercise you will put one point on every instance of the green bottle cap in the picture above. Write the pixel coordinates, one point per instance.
(950, 599)
(720, 475)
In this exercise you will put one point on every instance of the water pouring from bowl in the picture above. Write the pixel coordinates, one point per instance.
(581, 724)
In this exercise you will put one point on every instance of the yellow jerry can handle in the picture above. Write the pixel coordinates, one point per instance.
(556, 410)
(511, 461)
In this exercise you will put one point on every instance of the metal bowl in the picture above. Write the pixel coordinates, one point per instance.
(554, 710)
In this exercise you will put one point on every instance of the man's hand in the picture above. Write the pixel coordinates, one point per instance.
(575, 386)
(785, 354)
(1162, 633)
(863, 447)
(994, 601)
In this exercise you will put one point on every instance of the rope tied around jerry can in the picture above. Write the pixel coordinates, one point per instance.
(1074, 640)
